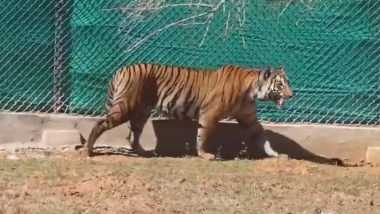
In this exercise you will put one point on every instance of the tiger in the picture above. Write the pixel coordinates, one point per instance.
(204, 95)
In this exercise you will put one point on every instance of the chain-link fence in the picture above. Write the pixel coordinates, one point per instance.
(57, 56)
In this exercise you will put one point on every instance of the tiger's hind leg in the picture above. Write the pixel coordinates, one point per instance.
(137, 124)
(255, 131)
(116, 116)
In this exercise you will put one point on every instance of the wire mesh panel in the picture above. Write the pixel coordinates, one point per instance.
(59, 56)
(26, 55)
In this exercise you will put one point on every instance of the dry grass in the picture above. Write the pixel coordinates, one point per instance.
(69, 183)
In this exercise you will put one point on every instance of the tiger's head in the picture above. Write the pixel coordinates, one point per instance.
(274, 85)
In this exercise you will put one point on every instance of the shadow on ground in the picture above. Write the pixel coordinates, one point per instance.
(228, 141)
(115, 150)
(112, 150)
(177, 138)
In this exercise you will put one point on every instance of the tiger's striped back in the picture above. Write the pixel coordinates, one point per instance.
(180, 92)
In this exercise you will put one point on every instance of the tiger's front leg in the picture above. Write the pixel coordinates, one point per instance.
(207, 124)
(202, 136)
(255, 131)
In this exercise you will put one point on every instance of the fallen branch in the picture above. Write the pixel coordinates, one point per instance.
(204, 14)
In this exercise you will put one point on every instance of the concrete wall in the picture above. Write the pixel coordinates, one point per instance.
(312, 142)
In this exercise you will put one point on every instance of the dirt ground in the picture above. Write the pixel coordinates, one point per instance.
(68, 182)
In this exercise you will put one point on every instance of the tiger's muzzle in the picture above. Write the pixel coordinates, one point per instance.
(280, 100)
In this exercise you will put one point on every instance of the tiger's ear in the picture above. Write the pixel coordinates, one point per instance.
(281, 70)
(268, 72)
(265, 74)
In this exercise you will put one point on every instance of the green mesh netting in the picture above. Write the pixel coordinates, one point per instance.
(26, 55)
(330, 49)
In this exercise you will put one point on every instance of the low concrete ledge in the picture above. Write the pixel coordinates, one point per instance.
(56, 138)
(298, 141)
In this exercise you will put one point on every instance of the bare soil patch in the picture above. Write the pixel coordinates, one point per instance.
(68, 182)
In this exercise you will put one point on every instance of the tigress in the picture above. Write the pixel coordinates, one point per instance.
(206, 96)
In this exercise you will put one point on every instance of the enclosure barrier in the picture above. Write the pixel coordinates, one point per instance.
(57, 56)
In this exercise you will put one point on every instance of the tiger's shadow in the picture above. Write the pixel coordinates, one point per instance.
(228, 140)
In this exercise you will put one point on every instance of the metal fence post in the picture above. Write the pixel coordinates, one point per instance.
(62, 50)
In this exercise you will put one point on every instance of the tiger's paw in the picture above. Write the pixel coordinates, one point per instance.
(140, 151)
(85, 153)
(280, 158)
(206, 156)
(90, 153)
